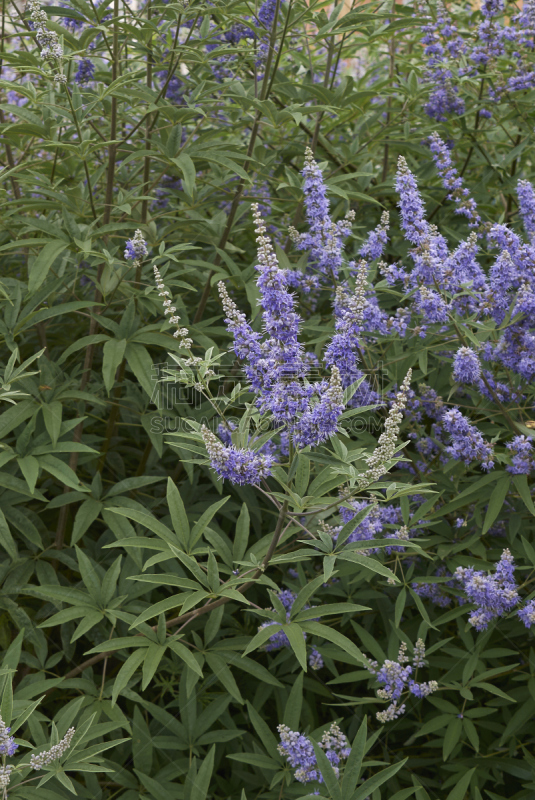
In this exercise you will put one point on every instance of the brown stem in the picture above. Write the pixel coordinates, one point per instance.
(146, 160)
(114, 414)
(93, 325)
(239, 192)
(144, 458)
(391, 73)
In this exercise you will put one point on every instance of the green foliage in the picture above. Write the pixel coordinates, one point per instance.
(134, 584)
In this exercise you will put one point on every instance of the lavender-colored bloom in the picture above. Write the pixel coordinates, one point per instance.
(431, 305)
(467, 443)
(466, 366)
(315, 660)
(85, 71)
(422, 689)
(325, 238)
(442, 44)
(299, 752)
(239, 465)
(522, 456)
(395, 677)
(526, 206)
(266, 13)
(495, 594)
(320, 421)
(527, 613)
(377, 240)
(343, 349)
(452, 181)
(411, 205)
(8, 746)
(136, 248)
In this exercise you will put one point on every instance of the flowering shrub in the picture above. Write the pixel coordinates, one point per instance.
(268, 357)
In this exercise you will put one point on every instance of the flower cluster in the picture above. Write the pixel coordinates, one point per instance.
(395, 677)
(527, 614)
(442, 45)
(522, 456)
(324, 239)
(483, 48)
(8, 746)
(47, 757)
(467, 443)
(276, 364)
(299, 752)
(452, 181)
(48, 41)
(136, 248)
(239, 465)
(494, 595)
(386, 447)
(466, 366)
(84, 74)
(169, 309)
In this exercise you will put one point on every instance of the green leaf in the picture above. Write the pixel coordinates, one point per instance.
(262, 636)
(183, 653)
(199, 790)
(177, 510)
(521, 483)
(29, 466)
(89, 575)
(297, 642)
(496, 502)
(241, 536)
(370, 563)
(327, 609)
(6, 539)
(327, 772)
(263, 730)
(187, 167)
(337, 638)
(305, 594)
(377, 780)
(43, 262)
(124, 675)
(354, 762)
(451, 737)
(141, 742)
(256, 760)
(85, 516)
(6, 704)
(112, 355)
(204, 521)
(52, 415)
(223, 674)
(141, 364)
(153, 655)
(459, 790)
(292, 709)
(62, 472)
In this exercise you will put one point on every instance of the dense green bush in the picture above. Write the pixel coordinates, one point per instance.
(136, 584)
